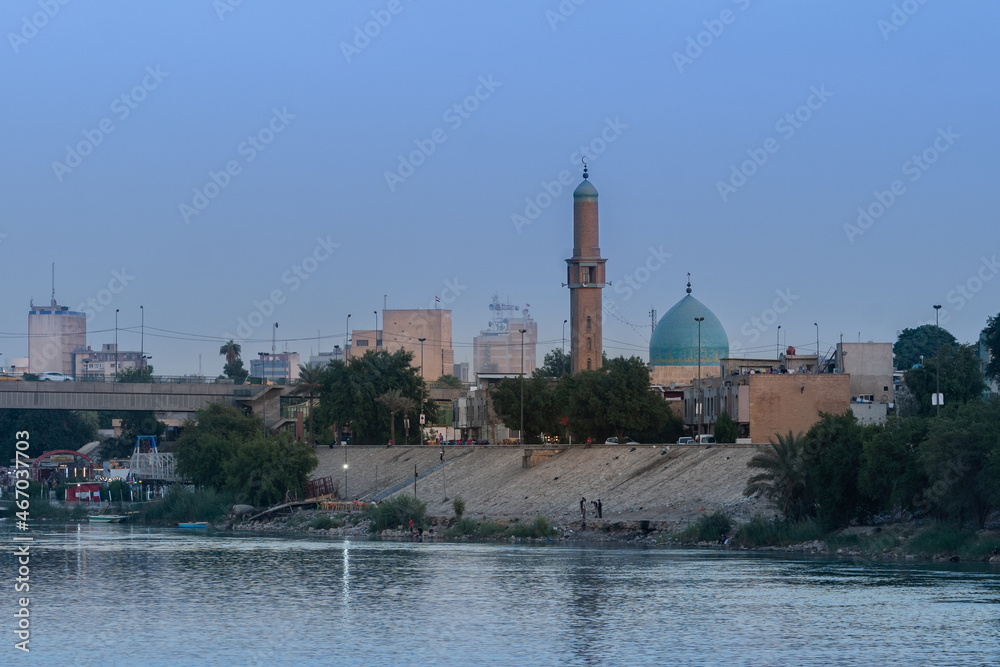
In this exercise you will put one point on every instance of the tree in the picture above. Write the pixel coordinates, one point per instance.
(310, 382)
(556, 364)
(135, 375)
(961, 378)
(783, 477)
(726, 429)
(540, 405)
(832, 454)
(349, 392)
(395, 402)
(891, 474)
(47, 429)
(234, 364)
(991, 336)
(912, 343)
(960, 457)
(227, 450)
(448, 382)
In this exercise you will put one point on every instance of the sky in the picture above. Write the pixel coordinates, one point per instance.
(227, 165)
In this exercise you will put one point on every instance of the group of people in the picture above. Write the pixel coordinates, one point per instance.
(597, 505)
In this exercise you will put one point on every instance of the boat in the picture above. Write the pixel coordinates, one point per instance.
(193, 524)
(107, 518)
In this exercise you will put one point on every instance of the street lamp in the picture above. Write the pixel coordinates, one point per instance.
(264, 395)
(937, 361)
(336, 352)
(563, 369)
(699, 400)
(422, 389)
(347, 337)
(116, 343)
(274, 333)
(142, 336)
(376, 330)
(777, 343)
(816, 324)
(521, 434)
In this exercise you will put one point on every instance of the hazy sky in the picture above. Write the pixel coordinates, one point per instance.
(201, 158)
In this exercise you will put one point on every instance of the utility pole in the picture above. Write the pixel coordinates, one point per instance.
(700, 400)
(521, 433)
(937, 360)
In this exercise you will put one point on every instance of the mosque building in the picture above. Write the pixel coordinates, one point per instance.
(684, 330)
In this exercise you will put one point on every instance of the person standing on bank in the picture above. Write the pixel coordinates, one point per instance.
(583, 507)
(600, 509)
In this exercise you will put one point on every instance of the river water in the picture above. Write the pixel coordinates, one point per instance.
(118, 594)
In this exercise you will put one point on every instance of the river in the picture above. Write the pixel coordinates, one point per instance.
(119, 594)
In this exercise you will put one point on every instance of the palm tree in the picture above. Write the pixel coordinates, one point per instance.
(310, 381)
(231, 350)
(395, 401)
(783, 477)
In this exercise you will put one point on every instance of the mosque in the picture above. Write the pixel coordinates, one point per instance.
(687, 329)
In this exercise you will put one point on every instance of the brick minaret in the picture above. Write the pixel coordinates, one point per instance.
(585, 279)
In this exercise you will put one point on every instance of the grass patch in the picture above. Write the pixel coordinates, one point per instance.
(458, 506)
(397, 512)
(182, 505)
(942, 539)
(489, 529)
(762, 532)
(707, 528)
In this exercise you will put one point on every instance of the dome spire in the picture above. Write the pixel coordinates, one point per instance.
(584, 160)
(689, 283)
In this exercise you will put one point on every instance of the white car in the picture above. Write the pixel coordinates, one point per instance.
(53, 376)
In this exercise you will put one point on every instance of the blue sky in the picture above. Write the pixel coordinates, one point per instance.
(735, 140)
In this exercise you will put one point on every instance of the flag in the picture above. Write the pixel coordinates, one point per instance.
(437, 298)
(527, 305)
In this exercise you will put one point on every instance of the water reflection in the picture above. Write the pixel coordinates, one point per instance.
(252, 599)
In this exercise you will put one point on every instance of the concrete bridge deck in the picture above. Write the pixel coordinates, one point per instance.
(157, 397)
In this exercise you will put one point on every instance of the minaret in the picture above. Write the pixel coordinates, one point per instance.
(585, 279)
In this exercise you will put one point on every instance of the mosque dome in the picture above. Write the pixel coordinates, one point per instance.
(675, 339)
(585, 190)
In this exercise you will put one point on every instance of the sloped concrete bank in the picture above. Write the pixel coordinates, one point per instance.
(665, 485)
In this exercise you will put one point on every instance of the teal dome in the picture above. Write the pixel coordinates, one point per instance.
(585, 190)
(675, 339)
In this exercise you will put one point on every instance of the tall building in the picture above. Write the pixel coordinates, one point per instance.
(497, 348)
(277, 367)
(585, 279)
(402, 330)
(102, 365)
(54, 333)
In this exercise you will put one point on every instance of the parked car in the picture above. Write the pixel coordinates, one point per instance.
(686, 440)
(7, 377)
(53, 376)
(705, 439)
(625, 441)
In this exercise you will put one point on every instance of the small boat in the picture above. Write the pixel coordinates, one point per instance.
(107, 518)
(193, 524)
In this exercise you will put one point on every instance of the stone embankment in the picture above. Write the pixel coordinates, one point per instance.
(663, 484)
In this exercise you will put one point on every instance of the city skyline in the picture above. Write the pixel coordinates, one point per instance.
(825, 164)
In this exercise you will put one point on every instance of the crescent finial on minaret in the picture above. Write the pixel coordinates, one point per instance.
(689, 283)
(584, 160)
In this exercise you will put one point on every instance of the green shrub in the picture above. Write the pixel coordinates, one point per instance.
(181, 505)
(458, 505)
(540, 527)
(463, 527)
(762, 532)
(707, 528)
(398, 511)
(326, 522)
(942, 538)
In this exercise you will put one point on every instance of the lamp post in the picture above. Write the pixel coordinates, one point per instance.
(376, 330)
(816, 324)
(142, 336)
(937, 360)
(347, 337)
(116, 344)
(563, 369)
(422, 389)
(521, 433)
(777, 343)
(698, 404)
(336, 352)
(263, 408)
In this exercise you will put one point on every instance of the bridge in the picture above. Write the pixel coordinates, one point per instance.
(155, 397)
